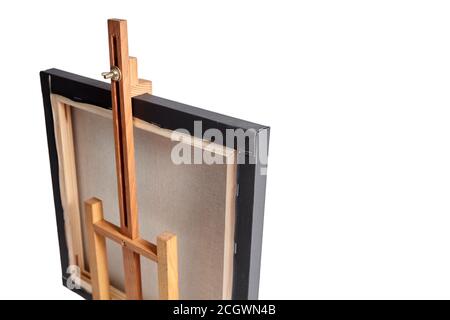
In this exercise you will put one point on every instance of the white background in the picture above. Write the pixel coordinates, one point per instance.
(357, 94)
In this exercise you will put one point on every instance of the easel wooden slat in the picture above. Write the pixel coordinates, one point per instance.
(124, 150)
(138, 86)
(123, 127)
(69, 186)
(167, 266)
(139, 246)
(97, 250)
(124, 80)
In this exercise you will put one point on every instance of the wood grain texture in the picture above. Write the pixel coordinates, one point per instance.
(97, 251)
(124, 151)
(132, 271)
(123, 127)
(199, 222)
(188, 200)
(149, 127)
(115, 294)
(167, 266)
(230, 220)
(138, 86)
(140, 246)
(141, 87)
(68, 179)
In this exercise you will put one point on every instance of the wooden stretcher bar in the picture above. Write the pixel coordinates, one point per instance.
(65, 93)
(68, 177)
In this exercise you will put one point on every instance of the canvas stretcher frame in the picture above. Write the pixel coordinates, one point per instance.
(166, 114)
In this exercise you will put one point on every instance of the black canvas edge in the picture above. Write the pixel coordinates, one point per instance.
(172, 115)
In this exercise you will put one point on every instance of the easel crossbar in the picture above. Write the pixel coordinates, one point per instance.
(139, 245)
(164, 253)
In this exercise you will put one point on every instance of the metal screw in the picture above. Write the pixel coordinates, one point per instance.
(114, 74)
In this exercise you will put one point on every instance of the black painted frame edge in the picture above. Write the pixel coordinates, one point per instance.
(54, 168)
(163, 112)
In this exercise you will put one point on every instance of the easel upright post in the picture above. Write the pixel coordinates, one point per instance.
(97, 251)
(124, 146)
(124, 85)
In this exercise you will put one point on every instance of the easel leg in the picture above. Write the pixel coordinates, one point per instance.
(132, 267)
(97, 251)
(167, 266)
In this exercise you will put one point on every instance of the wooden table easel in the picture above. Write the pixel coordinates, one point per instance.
(125, 85)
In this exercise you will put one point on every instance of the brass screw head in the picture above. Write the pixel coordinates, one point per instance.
(114, 74)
